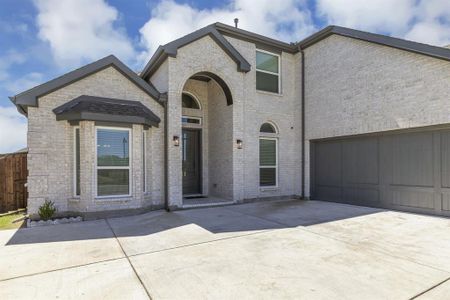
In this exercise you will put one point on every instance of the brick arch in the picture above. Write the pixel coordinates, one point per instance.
(209, 75)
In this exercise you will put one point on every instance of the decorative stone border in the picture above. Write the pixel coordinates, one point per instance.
(53, 222)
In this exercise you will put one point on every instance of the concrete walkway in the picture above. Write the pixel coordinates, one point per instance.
(284, 249)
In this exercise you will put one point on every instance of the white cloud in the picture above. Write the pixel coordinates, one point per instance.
(13, 133)
(375, 15)
(433, 23)
(11, 58)
(80, 31)
(24, 83)
(287, 20)
(425, 21)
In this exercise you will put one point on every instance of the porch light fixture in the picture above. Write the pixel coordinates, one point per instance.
(239, 144)
(176, 140)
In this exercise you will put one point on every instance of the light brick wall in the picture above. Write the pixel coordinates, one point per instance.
(51, 151)
(249, 110)
(356, 87)
(220, 143)
(282, 110)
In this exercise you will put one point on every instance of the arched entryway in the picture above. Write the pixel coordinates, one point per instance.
(207, 138)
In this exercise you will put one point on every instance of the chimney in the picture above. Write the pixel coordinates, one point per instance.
(236, 21)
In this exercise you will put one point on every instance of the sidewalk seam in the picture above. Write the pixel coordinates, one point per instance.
(129, 261)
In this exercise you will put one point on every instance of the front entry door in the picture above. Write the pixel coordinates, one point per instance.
(191, 161)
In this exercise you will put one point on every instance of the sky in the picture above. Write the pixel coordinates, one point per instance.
(43, 39)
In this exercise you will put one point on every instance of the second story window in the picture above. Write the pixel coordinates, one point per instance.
(267, 72)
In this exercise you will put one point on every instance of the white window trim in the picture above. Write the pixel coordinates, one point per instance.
(272, 73)
(144, 157)
(188, 117)
(270, 167)
(75, 161)
(114, 168)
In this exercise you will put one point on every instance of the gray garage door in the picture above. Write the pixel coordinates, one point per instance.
(404, 171)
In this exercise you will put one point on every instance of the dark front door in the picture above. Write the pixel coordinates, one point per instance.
(191, 161)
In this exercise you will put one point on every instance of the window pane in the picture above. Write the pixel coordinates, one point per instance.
(266, 62)
(112, 182)
(266, 82)
(112, 147)
(189, 102)
(267, 128)
(267, 176)
(77, 161)
(190, 120)
(267, 152)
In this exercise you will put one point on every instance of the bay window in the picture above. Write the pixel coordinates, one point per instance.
(113, 162)
(267, 72)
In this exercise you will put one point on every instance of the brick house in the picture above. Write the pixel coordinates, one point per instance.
(224, 115)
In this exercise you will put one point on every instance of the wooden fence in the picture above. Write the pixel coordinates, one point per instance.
(13, 177)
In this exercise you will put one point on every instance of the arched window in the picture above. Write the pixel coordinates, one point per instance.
(189, 102)
(267, 128)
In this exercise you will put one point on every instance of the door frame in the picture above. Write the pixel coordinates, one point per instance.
(200, 160)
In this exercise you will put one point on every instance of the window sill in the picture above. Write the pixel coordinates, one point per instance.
(113, 199)
(74, 199)
(268, 189)
(269, 93)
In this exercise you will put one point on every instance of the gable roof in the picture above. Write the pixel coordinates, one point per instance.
(256, 38)
(217, 30)
(30, 97)
(106, 109)
(433, 51)
(171, 49)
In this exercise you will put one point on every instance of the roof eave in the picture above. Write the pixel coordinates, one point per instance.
(410, 46)
(255, 38)
(30, 97)
(171, 50)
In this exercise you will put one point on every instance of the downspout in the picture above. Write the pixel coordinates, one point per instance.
(166, 154)
(303, 122)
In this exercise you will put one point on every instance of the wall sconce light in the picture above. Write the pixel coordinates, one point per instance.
(176, 140)
(239, 144)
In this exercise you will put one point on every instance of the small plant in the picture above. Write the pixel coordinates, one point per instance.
(47, 210)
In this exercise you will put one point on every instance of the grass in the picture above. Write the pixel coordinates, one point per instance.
(6, 222)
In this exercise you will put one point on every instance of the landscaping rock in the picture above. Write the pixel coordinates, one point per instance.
(31, 223)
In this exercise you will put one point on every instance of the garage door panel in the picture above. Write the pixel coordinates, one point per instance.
(360, 161)
(329, 193)
(413, 198)
(445, 159)
(361, 196)
(413, 159)
(446, 201)
(328, 162)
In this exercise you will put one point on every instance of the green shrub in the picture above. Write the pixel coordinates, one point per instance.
(47, 210)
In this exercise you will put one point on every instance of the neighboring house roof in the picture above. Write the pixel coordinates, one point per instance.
(106, 109)
(23, 150)
(433, 51)
(171, 49)
(30, 97)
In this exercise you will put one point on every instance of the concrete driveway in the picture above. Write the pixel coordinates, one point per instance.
(284, 249)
